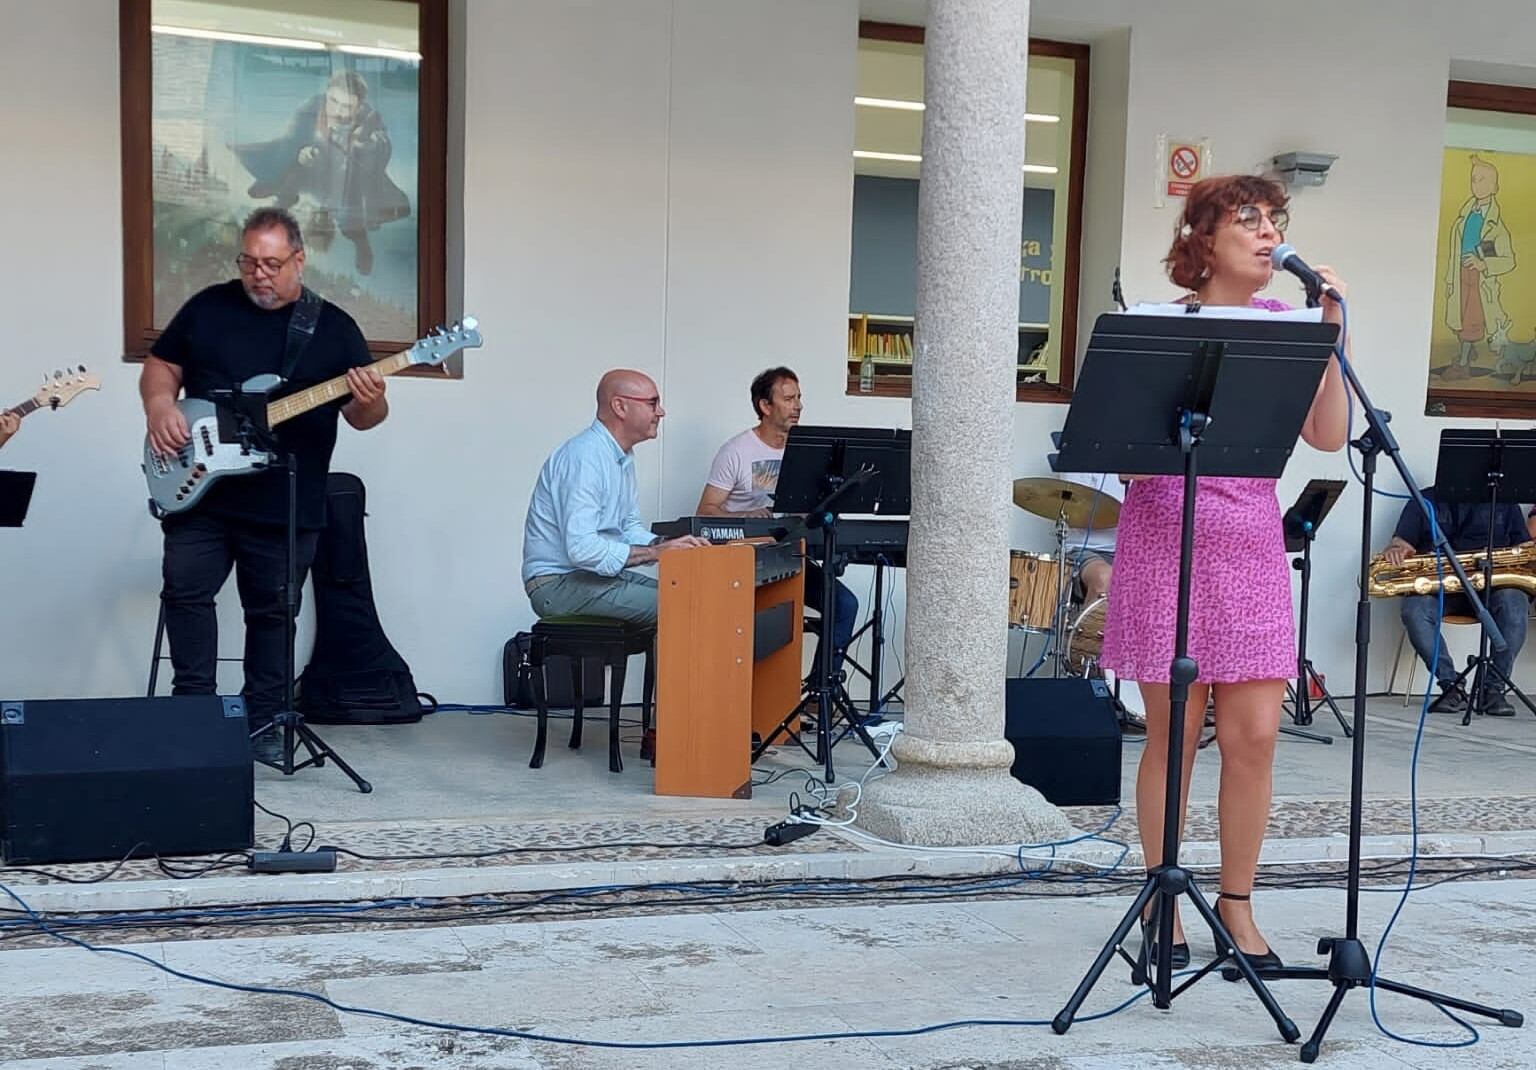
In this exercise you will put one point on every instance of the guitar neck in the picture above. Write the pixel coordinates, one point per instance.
(31, 405)
(331, 390)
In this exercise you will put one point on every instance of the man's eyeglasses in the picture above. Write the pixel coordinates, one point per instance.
(269, 264)
(1249, 215)
(654, 401)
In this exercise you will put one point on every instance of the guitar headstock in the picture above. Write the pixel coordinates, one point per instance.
(63, 386)
(444, 342)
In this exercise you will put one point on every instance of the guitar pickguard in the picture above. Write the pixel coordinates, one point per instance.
(178, 482)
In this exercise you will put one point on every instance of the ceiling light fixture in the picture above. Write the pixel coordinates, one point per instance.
(384, 53)
(912, 157)
(917, 105)
(239, 38)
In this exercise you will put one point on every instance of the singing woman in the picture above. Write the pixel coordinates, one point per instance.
(1241, 630)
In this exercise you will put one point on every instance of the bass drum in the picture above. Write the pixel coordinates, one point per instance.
(1085, 639)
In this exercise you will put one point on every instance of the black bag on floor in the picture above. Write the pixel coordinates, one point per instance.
(517, 678)
(354, 675)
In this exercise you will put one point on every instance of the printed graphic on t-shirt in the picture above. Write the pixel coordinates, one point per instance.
(765, 475)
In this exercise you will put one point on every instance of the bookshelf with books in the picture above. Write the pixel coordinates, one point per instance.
(880, 354)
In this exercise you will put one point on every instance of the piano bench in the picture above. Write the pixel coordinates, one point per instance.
(580, 638)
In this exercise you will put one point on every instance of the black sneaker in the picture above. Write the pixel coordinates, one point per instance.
(267, 748)
(1494, 703)
(1452, 700)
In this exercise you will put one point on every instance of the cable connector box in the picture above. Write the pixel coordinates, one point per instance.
(787, 831)
(321, 861)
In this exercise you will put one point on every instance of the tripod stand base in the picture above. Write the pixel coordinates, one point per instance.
(294, 732)
(1164, 886)
(1349, 966)
(828, 706)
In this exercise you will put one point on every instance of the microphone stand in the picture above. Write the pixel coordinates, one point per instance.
(1349, 964)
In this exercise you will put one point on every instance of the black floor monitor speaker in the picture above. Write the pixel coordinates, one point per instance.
(91, 780)
(1066, 739)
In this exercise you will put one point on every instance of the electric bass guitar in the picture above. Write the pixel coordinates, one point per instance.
(57, 391)
(179, 481)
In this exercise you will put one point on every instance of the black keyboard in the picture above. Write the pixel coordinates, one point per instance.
(865, 541)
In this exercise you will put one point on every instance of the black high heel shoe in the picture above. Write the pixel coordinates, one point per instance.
(1266, 961)
(1180, 954)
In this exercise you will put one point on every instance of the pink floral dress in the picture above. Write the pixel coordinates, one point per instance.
(1241, 626)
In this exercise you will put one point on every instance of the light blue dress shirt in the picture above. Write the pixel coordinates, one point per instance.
(584, 514)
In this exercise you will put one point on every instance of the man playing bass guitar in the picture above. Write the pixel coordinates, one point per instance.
(221, 337)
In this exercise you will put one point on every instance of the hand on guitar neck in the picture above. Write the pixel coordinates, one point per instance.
(56, 392)
(368, 406)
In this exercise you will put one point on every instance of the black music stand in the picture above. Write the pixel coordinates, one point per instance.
(15, 497)
(1301, 522)
(1479, 465)
(243, 419)
(827, 471)
(1190, 395)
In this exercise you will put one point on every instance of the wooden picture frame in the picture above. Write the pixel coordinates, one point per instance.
(1497, 377)
(352, 224)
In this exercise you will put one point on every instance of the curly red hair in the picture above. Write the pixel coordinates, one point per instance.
(1211, 203)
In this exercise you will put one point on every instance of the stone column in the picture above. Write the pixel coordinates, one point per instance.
(953, 785)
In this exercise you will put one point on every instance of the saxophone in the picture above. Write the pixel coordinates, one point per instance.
(1513, 566)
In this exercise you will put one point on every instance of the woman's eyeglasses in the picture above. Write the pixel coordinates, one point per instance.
(1249, 215)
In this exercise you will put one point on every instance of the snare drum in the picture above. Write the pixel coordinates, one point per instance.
(1034, 581)
(1085, 639)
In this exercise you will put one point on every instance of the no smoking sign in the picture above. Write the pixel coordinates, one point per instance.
(1182, 168)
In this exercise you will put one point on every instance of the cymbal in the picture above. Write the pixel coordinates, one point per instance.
(1082, 506)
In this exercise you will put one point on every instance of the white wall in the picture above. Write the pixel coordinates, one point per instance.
(666, 184)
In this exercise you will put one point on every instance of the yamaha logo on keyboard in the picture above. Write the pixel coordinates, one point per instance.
(722, 532)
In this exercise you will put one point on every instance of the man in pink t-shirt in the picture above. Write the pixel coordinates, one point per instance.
(745, 474)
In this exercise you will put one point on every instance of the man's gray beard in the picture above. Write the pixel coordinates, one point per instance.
(266, 304)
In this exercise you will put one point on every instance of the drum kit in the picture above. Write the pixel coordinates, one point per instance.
(1040, 586)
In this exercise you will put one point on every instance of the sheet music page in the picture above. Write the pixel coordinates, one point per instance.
(1225, 312)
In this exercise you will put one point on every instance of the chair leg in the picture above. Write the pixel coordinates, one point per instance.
(615, 703)
(578, 700)
(540, 701)
(647, 694)
(154, 659)
(648, 688)
(1396, 662)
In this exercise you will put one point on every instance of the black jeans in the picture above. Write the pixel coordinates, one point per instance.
(847, 614)
(199, 552)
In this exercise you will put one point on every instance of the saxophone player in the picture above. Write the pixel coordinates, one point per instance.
(1466, 527)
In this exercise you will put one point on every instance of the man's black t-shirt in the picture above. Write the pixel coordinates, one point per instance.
(220, 338)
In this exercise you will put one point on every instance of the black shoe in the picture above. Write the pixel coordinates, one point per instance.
(1180, 955)
(1494, 704)
(1452, 700)
(1267, 960)
(267, 748)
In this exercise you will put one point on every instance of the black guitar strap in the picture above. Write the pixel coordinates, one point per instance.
(301, 328)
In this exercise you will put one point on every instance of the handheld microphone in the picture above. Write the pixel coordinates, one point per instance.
(1285, 259)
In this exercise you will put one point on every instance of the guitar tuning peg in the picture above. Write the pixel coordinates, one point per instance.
(58, 374)
(81, 368)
